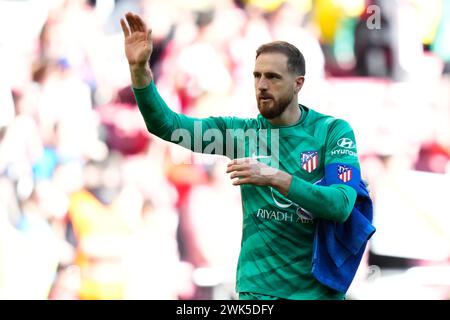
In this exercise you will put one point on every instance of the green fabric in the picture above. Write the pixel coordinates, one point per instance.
(256, 296)
(278, 231)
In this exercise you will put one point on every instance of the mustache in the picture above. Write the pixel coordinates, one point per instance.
(265, 96)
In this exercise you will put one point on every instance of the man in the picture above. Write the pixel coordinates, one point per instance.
(283, 201)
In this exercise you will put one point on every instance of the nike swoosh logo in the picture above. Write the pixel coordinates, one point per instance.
(254, 156)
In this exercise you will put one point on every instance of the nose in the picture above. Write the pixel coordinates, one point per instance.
(262, 84)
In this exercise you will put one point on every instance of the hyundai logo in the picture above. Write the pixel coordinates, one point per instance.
(346, 143)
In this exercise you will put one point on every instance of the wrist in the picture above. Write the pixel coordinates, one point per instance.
(139, 67)
(281, 181)
(141, 75)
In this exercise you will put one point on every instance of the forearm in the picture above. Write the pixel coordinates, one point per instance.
(327, 202)
(159, 118)
(281, 181)
(164, 123)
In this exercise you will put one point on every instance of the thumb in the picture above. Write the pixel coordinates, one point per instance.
(149, 35)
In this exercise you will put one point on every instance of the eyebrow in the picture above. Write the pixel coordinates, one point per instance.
(268, 74)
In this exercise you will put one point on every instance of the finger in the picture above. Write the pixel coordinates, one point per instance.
(135, 25)
(125, 29)
(131, 22)
(240, 161)
(231, 168)
(242, 181)
(128, 18)
(149, 35)
(237, 167)
(140, 24)
(241, 174)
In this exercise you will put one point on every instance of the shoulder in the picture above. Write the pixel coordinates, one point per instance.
(338, 124)
(326, 120)
(232, 123)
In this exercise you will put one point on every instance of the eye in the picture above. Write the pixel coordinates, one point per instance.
(272, 75)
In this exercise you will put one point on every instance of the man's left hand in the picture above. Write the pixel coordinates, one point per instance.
(251, 171)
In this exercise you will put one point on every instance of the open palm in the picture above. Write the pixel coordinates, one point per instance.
(138, 40)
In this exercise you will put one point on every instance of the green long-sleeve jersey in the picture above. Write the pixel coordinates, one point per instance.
(278, 231)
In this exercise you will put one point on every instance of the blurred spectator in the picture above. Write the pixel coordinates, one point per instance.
(20, 143)
(124, 130)
(101, 232)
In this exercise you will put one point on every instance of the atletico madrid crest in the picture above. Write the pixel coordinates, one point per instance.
(309, 160)
(344, 173)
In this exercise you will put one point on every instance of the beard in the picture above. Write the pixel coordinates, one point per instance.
(271, 109)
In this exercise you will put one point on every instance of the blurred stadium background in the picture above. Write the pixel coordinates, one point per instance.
(93, 207)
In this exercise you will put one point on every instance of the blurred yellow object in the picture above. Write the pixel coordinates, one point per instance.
(352, 8)
(101, 234)
(328, 15)
(429, 16)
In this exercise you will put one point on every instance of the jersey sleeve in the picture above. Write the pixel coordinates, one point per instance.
(204, 135)
(333, 198)
(341, 158)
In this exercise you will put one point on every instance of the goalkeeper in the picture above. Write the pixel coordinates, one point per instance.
(281, 203)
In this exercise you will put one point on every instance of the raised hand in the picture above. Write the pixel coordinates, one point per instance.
(138, 40)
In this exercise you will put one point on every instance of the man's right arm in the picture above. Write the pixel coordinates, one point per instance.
(159, 118)
(174, 127)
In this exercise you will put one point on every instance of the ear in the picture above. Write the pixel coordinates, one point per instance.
(299, 81)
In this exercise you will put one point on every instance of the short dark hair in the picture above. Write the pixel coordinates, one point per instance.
(296, 61)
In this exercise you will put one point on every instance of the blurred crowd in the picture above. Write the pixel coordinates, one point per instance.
(94, 207)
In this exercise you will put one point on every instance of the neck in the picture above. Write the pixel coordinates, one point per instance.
(290, 116)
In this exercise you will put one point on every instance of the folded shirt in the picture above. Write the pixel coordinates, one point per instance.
(338, 247)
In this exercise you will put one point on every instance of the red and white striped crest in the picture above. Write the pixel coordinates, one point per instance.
(309, 160)
(344, 173)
